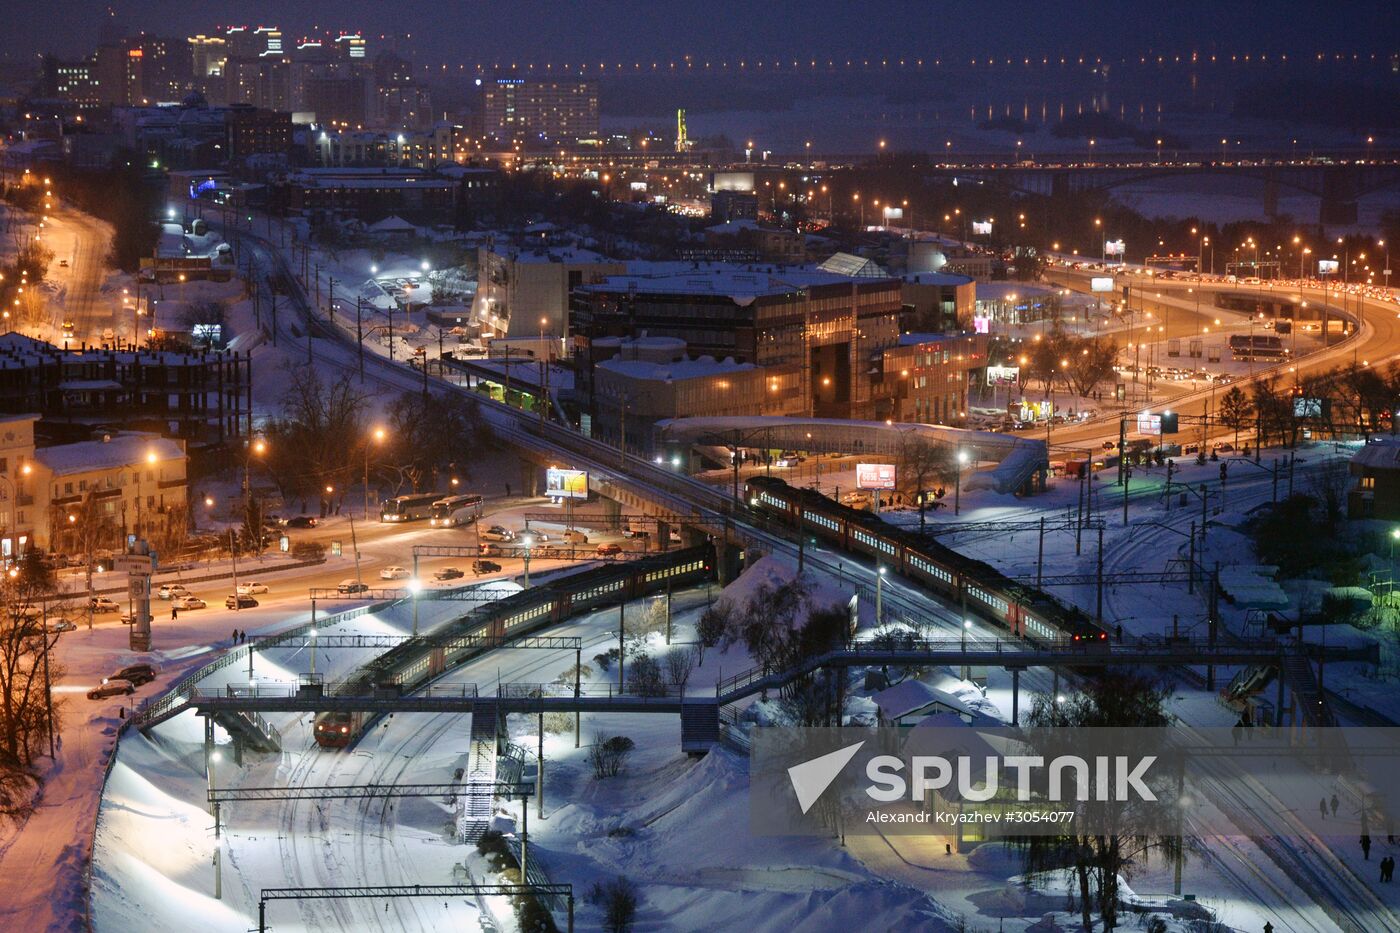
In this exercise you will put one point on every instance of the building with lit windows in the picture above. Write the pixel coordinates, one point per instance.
(121, 483)
(832, 328)
(534, 112)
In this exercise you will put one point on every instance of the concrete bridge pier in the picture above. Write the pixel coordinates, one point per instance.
(727, 555)
(1339, 194)
(1271, 197)
(612, 510)
(529, 478)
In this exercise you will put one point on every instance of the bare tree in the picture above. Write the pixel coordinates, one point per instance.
(681, 662)
(319, 420)
(608, 756)
(712, 625)
(26, 670)
(922, 464)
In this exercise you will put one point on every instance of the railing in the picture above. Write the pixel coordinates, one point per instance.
(180, 692)
(1175, 652)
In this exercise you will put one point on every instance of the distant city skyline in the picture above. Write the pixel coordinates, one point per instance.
(538, 31)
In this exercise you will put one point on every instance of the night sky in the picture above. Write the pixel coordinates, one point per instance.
(628, 30)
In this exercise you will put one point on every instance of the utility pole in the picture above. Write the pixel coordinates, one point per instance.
(1040, 553)
(1122, 447)
(1127, 475)
(621, 641)
(360, 336)
(1098, 610)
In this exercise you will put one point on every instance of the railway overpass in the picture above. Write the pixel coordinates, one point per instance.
(1337, 181)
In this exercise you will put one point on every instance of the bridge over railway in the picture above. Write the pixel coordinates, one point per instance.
(265, 698)
(1339, 184)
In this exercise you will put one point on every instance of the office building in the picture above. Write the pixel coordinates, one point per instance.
(539, 112)
(832, 328)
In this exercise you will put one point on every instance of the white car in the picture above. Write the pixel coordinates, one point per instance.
(172, 590)
(188, 602)
(394, 573)
(252, 589)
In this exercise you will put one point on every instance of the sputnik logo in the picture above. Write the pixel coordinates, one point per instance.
(811, 778)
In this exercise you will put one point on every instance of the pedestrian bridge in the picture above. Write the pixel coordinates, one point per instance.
(1021, 462)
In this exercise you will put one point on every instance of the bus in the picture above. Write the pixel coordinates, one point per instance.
(456, 510)
(1257, 347)
(408, 508)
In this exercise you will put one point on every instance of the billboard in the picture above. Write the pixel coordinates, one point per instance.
(981, 228)
(874, 475)
(1114, 248)
(894, 213)
(1328, 266)
(1003, 375)
(1149, 424)
(1101, 284)
(981, 325)
(565, 484)
(1316, 408)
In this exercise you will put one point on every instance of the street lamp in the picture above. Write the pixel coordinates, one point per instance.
(378, 438)
(312, 633)
(415, 586)
(528, 542)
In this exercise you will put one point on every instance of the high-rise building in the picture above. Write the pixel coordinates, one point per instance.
(207, 56)
(537, 112)
(74, 82)
(166, 72)
(120, 74)
(261, 82)
(351, 47)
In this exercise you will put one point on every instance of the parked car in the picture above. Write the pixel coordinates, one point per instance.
(63, 264)
(485, 566)
(609, 550)
(303, 521)
(137, 674)
(103, 604)
(345, 587)
(575, 537)
(448, 573)
(61, 625)
(110, 688)
(188, 602)
(240, 601)
(172, 590)
(497, 533)
(252, 589)
(490, 550)
(394, 573)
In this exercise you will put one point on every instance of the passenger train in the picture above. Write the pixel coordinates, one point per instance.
(415, 663)
(1024, 611)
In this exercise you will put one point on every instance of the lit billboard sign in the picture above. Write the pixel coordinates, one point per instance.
(875, 475)
(981, 228)
(1101, 284)
(1316, 408)
(566, 484)
(1328, 266)
(1003, 375)
(981, 325)
(894, 213)
(1165, 423)
(1114, 248)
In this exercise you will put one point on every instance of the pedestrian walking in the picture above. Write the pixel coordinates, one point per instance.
(1389, 869)
(234, 637)
(1335, 804)
(1268, 927)
(1322, 807)
(174, 613)
(507, 490)
(1366, 847)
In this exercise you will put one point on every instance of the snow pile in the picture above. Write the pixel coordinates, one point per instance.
(678, 832)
